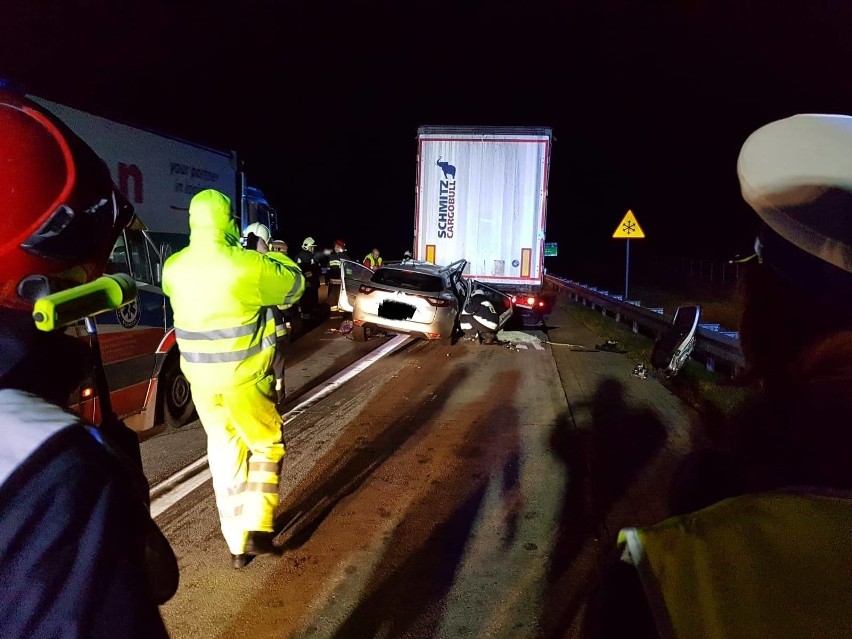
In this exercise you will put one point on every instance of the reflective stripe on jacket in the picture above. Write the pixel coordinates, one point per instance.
(28, 422)
(219, 293)
(482, 311)
(289, 264)
(769, 565)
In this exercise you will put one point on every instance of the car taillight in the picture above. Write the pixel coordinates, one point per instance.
(514, 298)
(541, 303)
(530, 301)
(436, 301)
(365, 289)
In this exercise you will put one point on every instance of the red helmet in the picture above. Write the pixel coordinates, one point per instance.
(340, 243)
(59, 209)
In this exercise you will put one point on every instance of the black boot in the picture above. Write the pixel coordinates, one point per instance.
(240, 561)
(260, 543)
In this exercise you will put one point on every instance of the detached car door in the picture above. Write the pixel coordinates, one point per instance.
(502, 302)
(352, 275)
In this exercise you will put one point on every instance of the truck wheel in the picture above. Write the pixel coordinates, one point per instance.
(359, 334)
(178, 407)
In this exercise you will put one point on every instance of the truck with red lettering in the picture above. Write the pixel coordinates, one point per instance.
(158, 174)
(482, 197)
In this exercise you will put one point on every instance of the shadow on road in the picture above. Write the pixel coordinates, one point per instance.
(307, 509)
(420, 568)
(600, 461)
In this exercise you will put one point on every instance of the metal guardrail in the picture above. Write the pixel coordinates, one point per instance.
(712, 345)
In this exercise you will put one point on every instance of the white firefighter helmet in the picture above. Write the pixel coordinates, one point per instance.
(258, 229)
(309, 243)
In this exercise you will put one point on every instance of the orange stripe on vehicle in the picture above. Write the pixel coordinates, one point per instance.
(526, 262)
(430, 253)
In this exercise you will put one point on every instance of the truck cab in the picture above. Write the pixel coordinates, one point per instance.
(256, 208)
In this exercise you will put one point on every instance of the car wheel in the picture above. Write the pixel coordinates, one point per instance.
(359, 333)
(178, 407)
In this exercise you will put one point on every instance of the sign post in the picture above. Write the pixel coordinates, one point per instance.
(628, 228)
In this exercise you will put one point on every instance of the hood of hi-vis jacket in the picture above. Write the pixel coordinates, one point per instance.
(220, 294)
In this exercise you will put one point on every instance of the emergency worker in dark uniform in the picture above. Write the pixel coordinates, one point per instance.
(74, 522)
(309, 261)
(479, 318)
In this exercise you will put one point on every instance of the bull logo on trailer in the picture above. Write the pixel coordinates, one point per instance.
(447, 200)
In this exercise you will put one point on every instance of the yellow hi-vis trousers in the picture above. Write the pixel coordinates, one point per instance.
(244, 449)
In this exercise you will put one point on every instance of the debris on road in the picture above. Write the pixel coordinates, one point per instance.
(512, 339)
(610, 346)
(640, 371)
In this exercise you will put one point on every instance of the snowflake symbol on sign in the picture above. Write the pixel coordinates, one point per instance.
(629, 227)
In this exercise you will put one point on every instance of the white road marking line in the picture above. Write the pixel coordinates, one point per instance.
(167, 500)
(172, 489)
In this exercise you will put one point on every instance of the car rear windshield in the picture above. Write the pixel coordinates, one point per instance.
(409, 279)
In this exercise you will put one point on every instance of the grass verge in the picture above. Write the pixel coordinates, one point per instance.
(711, 394)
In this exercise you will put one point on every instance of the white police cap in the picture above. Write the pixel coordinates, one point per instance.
(796, 173)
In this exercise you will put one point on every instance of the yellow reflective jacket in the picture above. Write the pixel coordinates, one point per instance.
(287, 262)
(372, 262)
(768, 565)
(220, 294)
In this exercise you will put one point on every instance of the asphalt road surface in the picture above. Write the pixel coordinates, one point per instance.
(446, 491)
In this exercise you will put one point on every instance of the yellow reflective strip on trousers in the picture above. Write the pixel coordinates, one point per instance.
(267, 467)
(771, 565)
(262, 487)
(231, 513)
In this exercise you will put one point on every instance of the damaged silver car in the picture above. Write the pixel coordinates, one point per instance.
(411, 297)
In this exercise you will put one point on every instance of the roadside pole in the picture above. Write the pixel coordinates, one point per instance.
(628, 228)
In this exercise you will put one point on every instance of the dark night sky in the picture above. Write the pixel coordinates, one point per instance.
(649, 101)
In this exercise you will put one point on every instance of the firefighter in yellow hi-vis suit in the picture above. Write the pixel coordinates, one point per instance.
(220, 294)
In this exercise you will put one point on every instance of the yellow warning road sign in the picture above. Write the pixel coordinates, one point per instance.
(629, 229)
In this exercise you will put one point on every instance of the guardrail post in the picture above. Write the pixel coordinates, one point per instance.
(635, 326)
(711, 364)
